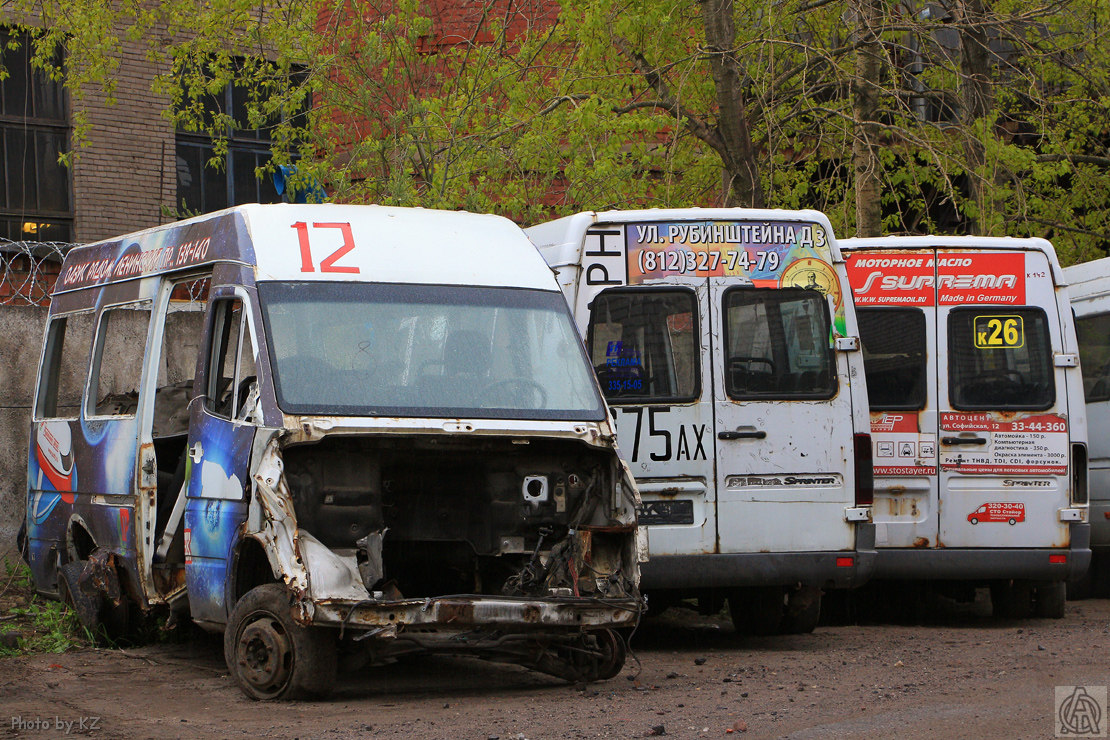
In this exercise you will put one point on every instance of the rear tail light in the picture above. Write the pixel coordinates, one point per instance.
(845, 562)
(1058, 559)
(1078, 473)
(865, 470)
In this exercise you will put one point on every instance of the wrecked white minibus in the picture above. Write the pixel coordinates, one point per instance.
(726, 344)
(977, 416)
(331, 429)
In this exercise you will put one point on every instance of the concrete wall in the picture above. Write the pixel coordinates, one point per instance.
(21, 334)
(20, 343)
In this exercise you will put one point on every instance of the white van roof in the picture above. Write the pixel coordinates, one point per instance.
(1088, 278)
(944, 241)
(561, 240)
(388, 245)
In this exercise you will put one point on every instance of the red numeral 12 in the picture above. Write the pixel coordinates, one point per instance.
(328, 263)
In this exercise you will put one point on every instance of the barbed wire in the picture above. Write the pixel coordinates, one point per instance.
(28, 271)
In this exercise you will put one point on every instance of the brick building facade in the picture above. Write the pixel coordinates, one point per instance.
(133, 170)
(125, 177)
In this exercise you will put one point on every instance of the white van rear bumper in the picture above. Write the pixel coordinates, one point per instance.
(973, 564)
(824, 569)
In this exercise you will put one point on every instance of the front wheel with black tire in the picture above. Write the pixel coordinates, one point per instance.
(273, 657)
(613, 654)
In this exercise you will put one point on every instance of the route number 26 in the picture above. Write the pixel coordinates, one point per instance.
(328, 263)
(999, 331)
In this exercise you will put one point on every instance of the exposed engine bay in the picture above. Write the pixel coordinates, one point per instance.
(429, 516)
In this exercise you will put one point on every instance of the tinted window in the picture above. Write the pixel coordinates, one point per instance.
(777, 344)
(894, 355)
(643, 345)
(999, 358)
(65, 365)
(1094, 355)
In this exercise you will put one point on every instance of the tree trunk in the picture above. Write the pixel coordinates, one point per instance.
(742, 185)
(976, 102)
(865, 103)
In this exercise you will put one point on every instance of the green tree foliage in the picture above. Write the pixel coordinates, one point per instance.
(969, 116)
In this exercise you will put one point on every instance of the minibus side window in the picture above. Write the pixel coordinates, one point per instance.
(231, 368)
(777, 344)
(643, 345)
(65, 366)
(1094, 355)
(118, 360)
(894, 353)
(999, 358)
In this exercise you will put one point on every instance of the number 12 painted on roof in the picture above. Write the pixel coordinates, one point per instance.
(328, 263)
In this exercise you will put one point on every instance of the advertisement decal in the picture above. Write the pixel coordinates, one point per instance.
(771, 254)
(898, 446)
(1035, 445)
(944, 278)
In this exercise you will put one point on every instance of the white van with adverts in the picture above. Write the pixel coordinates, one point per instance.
(977, 417)
(1089, 287)
(727, 348)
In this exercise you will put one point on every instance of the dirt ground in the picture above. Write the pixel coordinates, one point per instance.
(956, 674)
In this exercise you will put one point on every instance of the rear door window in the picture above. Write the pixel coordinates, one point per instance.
(894, 354)
(1000, 358)
(643, 345)
(777, 344)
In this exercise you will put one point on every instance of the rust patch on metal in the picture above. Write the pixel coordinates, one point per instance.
(921, 542)
(603, 529)
(455, 611)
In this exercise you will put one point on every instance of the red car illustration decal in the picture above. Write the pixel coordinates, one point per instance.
(998, 512)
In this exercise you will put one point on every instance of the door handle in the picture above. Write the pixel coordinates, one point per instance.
(196, 452)
(962, 441)
(742, 435)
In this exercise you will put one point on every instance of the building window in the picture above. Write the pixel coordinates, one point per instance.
(35, 199)
(207, 181)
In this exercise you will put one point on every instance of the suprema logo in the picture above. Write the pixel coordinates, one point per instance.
(917, 282)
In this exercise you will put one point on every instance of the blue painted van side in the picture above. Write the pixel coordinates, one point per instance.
(215, 509)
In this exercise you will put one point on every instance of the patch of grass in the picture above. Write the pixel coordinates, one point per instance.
(42, 626)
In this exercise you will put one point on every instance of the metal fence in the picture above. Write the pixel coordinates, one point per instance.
(28, 271)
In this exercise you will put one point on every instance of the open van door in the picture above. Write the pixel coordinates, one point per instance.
(221, 434)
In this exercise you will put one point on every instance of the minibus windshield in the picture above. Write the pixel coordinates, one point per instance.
(373, 349)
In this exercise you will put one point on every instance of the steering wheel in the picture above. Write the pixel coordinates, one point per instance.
(522, 391)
